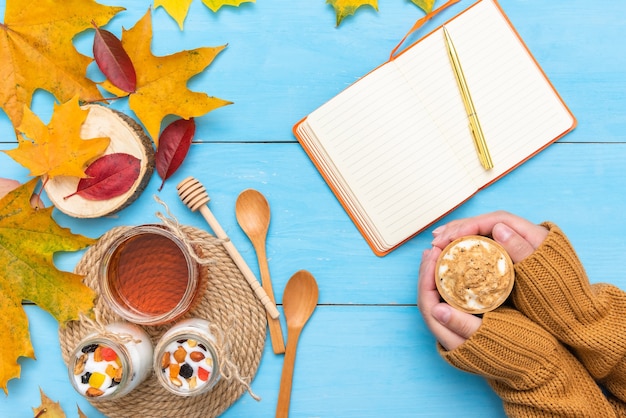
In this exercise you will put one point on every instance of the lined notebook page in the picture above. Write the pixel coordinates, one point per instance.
(518, 109)
(396, 145)
(385, 149)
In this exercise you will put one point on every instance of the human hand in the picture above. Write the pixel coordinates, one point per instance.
(518, 236)
(450, 326)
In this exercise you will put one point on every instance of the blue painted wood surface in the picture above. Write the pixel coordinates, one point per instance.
(366, 351)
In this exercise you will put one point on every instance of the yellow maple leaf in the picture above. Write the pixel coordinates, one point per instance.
(215, 5)
(178, 9)
(345, 8)
(425, 5)
(57, 149)
(48, 409)
(28, 240)
(36, 51)
(162, 81)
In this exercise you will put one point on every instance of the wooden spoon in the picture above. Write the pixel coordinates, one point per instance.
(253, 215)
(299, 301)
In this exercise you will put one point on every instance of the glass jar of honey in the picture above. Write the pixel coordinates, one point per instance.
(148, 277)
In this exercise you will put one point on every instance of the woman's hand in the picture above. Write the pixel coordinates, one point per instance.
(519, 238)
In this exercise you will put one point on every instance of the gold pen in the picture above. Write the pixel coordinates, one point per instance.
(477, 132)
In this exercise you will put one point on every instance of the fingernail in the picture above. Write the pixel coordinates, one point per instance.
(502, 232)
(438, 230)
(441, 313)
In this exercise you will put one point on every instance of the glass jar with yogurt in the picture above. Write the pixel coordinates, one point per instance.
(186, 360)
(108, 365)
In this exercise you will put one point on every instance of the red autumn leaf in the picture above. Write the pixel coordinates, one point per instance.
(109, 176)
(113, 60)
(174, 144)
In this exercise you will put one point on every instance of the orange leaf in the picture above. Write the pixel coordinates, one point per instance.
(345, 8)
(36, 51)
(162, 81)
(28, 240)
(57, 149)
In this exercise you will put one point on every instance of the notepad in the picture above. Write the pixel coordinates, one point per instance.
(396, 148)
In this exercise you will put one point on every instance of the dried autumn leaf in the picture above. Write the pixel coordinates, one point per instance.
(110, 176)
(345, 8)
(173, 146)
(178, 9)
(113, 60)
(28, 240)
(214, 5)
(48, 409)
(36, 51)
(56, 149)
(7, 185)
(162, 81)
(425, 5)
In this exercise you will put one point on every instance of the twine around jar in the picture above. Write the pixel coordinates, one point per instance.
(227, 302)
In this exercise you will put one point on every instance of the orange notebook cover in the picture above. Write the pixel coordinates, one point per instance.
(396, 148)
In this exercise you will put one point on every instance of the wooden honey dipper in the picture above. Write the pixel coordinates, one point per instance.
(194, 195)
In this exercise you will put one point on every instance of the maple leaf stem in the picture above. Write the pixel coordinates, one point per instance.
(40, 413)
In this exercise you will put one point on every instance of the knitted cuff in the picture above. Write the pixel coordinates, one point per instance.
(528, 368)
(553, 290)
(508, 348)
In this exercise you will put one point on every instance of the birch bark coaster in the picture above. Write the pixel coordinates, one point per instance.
(227, 302)
(127, 137)
(474, 274)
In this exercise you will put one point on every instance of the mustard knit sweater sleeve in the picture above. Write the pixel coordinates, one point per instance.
(547, 357)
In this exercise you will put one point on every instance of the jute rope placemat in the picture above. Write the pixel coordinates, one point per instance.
(227, 302)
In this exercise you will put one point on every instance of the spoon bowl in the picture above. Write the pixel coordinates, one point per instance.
(253, 215)
(299, 301)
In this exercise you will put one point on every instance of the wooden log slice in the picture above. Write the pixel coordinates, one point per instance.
(127, 136)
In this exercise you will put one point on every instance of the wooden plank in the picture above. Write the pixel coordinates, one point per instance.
(575, 185)
(285, 59)
(360, 361)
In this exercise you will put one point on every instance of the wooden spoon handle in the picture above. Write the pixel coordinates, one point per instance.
(276, 332)
(270, 307)
(286, 378)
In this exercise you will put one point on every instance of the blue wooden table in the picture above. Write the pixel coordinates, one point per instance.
(366, 351)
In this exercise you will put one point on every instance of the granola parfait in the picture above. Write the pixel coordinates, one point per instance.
(474, 274)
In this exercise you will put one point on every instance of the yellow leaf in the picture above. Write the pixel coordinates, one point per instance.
(28, 240)
(215, 5)
(36, 51)
(48, 409)
(56, 149)
(162, 81)
(176, 8)
(345, 8)
(425, 5)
